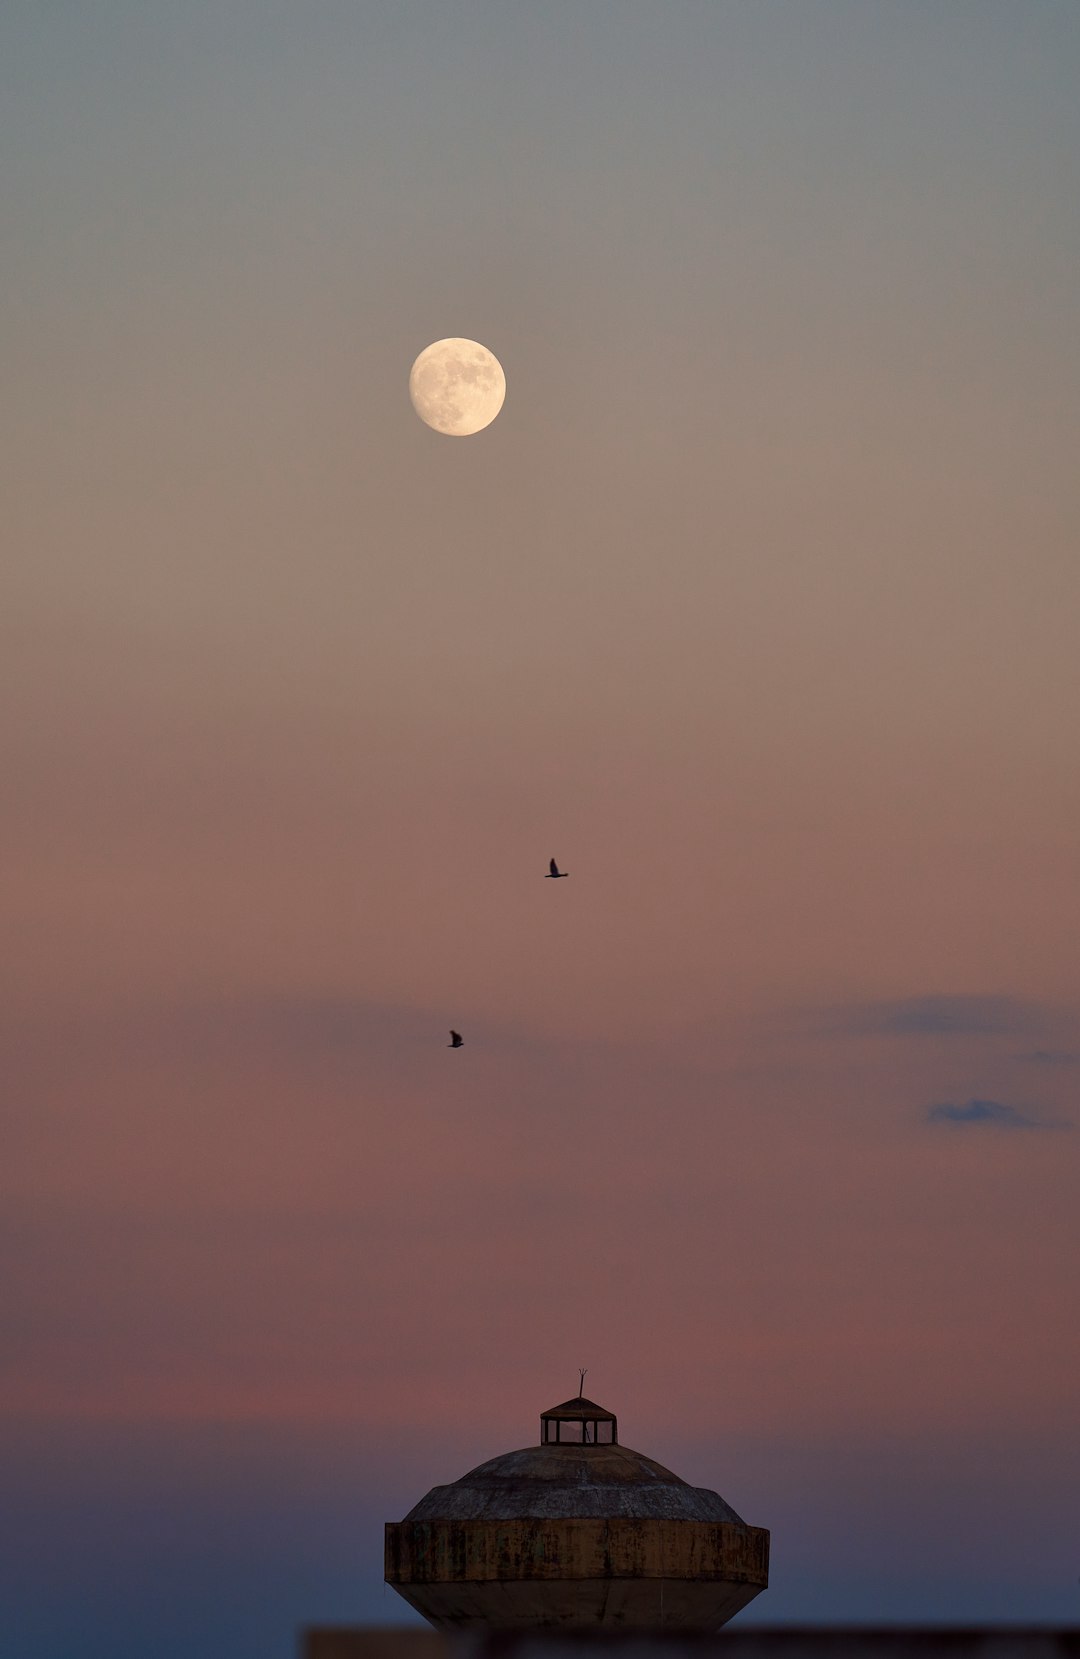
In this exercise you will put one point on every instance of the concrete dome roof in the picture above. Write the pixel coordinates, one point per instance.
(568, 1482)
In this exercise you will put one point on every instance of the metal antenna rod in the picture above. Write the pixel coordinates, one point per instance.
(581, 1384)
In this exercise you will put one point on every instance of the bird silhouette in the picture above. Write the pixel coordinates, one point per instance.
(456, 1040)
(555, 874)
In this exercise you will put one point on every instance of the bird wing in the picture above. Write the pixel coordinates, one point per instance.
(554, 868)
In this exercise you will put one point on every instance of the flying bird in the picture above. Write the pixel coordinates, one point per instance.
(456, 1040)
(555, 874)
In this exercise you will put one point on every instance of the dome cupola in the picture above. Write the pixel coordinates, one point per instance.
(578, 1422)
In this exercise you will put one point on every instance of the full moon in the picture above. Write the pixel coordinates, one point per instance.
(457, 386)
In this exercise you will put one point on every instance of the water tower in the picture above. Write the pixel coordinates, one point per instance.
(575, 1532)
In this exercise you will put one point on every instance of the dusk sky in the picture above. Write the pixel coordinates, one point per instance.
(756, 607)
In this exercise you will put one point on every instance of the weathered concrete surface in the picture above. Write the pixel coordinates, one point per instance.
(544, 1573)
(572, 1482)
(584, 1604)
(444, 1552)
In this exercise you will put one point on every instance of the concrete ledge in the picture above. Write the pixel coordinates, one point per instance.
(790, 1642)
